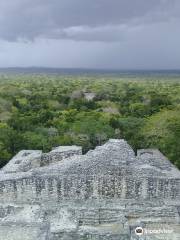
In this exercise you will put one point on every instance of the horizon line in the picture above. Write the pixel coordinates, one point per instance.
(89, 68)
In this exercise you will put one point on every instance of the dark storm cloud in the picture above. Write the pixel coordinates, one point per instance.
(90, 33)
(88, 20)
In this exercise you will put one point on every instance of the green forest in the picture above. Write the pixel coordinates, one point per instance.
(44, 111)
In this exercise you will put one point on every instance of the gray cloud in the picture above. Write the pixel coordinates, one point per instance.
(90, 33)
(89, 20)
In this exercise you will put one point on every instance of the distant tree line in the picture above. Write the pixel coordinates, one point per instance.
(40, 112)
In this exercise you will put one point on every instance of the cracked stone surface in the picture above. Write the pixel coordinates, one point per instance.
(104, 194)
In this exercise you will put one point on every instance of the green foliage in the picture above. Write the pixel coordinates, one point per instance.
(162, 131)
(41, 112)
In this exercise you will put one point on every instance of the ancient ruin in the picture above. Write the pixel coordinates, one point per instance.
(110, 193)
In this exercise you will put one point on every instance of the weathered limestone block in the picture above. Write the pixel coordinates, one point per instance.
(60, 153)
(11, 231)
(23, 161)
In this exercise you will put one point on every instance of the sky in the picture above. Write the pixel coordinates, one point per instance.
(105, 34)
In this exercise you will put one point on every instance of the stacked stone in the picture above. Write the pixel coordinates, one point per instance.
(104, 194)
(60, 153)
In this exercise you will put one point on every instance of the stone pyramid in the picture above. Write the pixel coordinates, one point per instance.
(107, 194)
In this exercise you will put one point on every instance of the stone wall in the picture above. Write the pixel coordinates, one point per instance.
(23, 161)
(26, 160)
(104, 194)
(85, 187)
(60, 153)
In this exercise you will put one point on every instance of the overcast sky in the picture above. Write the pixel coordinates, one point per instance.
(120, 34)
